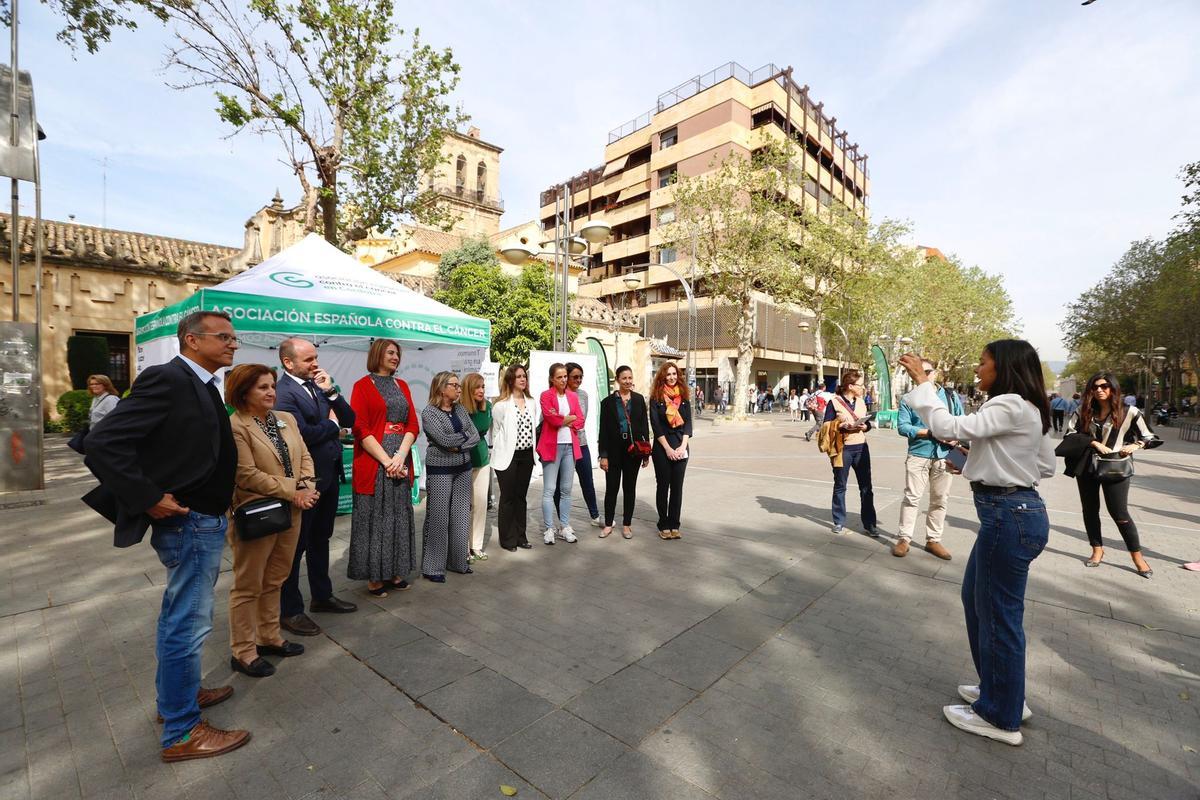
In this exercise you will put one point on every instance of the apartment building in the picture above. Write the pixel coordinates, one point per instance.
(692, 126)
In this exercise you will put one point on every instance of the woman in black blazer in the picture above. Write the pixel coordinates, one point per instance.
(671, 422)
(622, 423)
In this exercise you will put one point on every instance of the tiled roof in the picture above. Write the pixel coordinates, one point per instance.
(586, 309)
(429, 241)
(86, 244)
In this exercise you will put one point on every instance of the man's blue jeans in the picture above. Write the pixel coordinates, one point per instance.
(190, 548)
(558, 474)
(855, 457)
(1013, 530)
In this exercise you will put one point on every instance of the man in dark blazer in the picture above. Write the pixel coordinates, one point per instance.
(309, 394)
(166, 460)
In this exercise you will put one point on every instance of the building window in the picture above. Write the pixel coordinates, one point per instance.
(666, 215)
(480, 181)
(667, 255)
(668, 138)
(666, 176)
(460, 175)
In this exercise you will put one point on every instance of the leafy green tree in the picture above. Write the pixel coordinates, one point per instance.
(519, 307)
(361, 121)
(472, 251)
(91, 22)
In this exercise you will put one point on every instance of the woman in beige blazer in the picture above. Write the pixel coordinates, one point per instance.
(272, 461)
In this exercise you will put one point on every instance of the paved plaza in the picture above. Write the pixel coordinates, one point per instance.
(758, 657)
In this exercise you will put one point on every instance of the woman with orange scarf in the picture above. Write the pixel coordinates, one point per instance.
(671, 424)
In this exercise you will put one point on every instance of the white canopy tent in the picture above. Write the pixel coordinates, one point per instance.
(316, 291)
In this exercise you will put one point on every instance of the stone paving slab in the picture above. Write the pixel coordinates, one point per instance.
(759, 657)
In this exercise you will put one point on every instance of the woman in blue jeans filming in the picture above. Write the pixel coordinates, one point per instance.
(1010, 452)
(850, 411)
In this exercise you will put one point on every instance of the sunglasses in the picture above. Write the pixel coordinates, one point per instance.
(1103, 386)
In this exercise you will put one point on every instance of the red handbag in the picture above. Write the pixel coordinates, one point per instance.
(635, 448)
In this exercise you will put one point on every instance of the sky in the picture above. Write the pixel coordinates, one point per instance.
(1033, 138)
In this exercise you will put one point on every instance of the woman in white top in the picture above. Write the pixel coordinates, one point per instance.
(1010, 452)
(515, 417)
(104, 398)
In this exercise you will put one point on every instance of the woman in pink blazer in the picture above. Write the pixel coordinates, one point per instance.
(558, 449)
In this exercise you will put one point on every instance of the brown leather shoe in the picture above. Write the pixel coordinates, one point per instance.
(301, 625)
(900, 548)
(936, 549)
(210, 697)
(205, 741)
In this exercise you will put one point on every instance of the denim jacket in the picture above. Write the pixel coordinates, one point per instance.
(908, 423)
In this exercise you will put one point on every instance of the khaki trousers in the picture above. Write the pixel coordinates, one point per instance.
(480, 478)
(259, 569)
(921, 474)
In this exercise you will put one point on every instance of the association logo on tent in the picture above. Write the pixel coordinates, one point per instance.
(295, 280)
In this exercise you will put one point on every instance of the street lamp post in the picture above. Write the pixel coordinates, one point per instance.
(805, 326)
(565, 245)
(632, 282)
(1148, 358)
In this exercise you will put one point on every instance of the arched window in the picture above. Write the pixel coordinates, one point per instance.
(460, 174)
(480, 181)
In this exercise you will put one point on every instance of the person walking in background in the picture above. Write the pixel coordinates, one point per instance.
(753, 399)
(104, 398)
(623, 442)
(272, 464)
(1103, 426)
(480, 411)
(848, 408)
(817, 403)
(307, 392)
(452, 436)
(804, 398)
(1010, 452)
(925, 467)
(515, 418)
(583, 464)
(671, 425)
(166, 460)
(558, 449)
(869, 400)
(794, 406)
(1058, 411)
(699, 402)
(385, 428)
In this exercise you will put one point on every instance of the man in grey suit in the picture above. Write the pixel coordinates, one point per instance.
(308, 393)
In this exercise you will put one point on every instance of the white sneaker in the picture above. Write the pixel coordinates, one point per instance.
(965, 719)
(567, 534)
(597, 522)
(548, 536)
(971, 694)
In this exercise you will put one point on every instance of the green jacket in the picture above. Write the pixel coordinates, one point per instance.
(483, 423)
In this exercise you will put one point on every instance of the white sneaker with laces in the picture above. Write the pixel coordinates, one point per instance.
(567, 534)
(597, 522)
(965, 719)
(548, 536)
(971, 694)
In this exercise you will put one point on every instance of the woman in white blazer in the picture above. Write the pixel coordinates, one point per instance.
(515, 418)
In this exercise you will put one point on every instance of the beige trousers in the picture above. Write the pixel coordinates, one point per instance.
(921, 474)
(259, 569)
(480, 478)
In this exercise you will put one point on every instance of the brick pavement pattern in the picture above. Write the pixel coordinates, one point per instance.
(758, 657)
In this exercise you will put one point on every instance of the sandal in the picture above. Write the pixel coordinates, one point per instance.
(381, 591)
(665, 535)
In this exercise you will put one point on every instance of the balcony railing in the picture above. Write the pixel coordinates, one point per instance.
(475, 196)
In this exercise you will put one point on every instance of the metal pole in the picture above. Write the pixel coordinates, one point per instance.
(565, 245)
(13, 133)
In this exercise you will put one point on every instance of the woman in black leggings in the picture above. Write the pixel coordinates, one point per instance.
(622, 425)
(1112, 426)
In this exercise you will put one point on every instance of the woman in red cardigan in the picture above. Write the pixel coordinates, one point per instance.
(385, 427)
(558, 450)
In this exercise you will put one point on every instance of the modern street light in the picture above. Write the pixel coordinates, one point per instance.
(562, 247)
(1148, 358)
